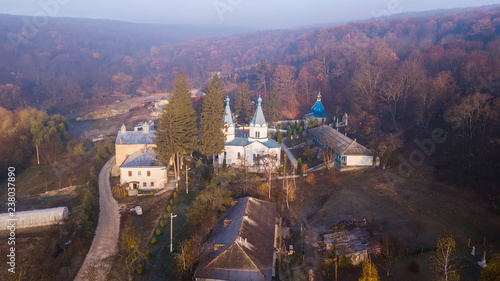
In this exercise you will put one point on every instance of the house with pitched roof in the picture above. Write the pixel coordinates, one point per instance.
(128, 142)
(246, 151)
(136, 161)
(242, 244)
(347, 153)
(142, 171)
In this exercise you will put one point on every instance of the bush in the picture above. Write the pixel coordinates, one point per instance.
(158, 232)
(280, 137)
(172, 202)
(148, 253)
(175, 195)
(224, 164)
(153, 241)
(140, 269)
(345, 261)
(414, 267)
(165, 216)
(162, 223)
(169, 209)
(119, 192)
(299, 166)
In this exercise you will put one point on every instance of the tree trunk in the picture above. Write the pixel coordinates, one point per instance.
(178, 167)
(37, 155)
(175, 169)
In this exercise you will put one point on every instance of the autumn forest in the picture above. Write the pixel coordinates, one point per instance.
(389, 74)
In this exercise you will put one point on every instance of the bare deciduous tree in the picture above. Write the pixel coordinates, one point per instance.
(443, 262)
(389, 253)
(130, 248)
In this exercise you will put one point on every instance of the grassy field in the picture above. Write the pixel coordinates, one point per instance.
(442, 209)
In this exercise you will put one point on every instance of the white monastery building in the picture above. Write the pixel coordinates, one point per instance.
(136, 161)
(246, 151)
(141, 170)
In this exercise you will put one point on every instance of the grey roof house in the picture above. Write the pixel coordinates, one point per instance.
(242, 244)
(347, 153)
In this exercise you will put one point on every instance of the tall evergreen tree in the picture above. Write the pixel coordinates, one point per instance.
(272, 106)
(243, 103)
(262, 83)
(212, 135)
(176, 131)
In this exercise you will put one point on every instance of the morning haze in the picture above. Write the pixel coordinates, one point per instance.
(260, 14)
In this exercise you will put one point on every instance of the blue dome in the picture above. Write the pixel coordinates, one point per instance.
(318, 107)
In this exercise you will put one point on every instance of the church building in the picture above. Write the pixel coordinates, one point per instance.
(317, 112)
(247, 151)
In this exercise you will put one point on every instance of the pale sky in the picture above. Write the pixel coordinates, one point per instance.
(262, 14)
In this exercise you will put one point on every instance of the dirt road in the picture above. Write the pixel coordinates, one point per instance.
(104, 246)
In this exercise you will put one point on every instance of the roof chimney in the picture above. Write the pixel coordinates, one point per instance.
(121, 141)
(142, 150)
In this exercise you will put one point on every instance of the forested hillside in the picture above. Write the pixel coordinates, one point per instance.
(390, 75)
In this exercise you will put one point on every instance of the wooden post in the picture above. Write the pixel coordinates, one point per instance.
(37, 155)
(187, 183)
(172, 216)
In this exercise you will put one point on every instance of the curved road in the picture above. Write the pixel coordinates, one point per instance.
(104, 246)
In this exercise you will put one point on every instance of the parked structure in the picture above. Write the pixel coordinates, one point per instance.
(242, 244)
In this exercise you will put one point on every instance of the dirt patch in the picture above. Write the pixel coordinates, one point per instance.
(390, 210)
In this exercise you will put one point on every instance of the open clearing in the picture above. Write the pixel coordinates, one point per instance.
(442, 208)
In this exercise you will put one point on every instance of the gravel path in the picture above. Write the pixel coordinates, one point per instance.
(104, 246)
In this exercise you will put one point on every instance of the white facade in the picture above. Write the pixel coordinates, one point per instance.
(243, 152)
(359, 160)
(143, 177)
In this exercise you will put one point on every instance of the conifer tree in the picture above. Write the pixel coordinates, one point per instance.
(176, 130)
(262, 77)
(212, 135)
(272, 106)
(243, 103)
(369, 272)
